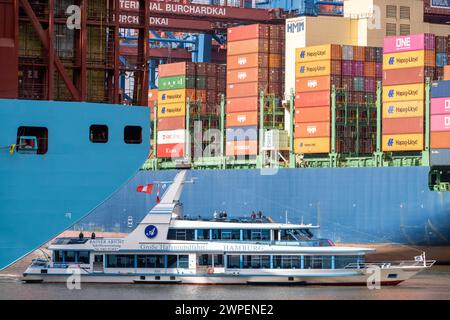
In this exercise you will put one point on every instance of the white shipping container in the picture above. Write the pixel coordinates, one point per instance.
(172, 136)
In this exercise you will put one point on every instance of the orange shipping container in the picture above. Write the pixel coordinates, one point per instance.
(312, 130)
(176, 69)
(243, 90)
(241, 148)
(403, 142)
(275, 61)
(248, 46)
(313, 99)
(241, 119)
(447, 72)
(172, 123)
(369, 69)
(242, 104)
(249, 60)
(312, 84)
(312, 145)
(248, 32)
(248, 75)
(440, 140)
(403, 125)
(316, 114)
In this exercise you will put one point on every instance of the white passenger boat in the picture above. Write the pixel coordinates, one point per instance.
(169, 248)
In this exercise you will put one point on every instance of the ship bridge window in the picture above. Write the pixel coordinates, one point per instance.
(69, 256)
(98, 133)
(132, 135)
(32, 140)
(257, 235)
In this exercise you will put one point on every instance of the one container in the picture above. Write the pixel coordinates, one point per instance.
(176, 69)
(312, 145)
(242, 104)
(313, 84)
(242, 133)
(313, 99)
(171, 96)
(174, 83)
(403, 142)
(415, 42)
(240, 119)
(171, 136)
(318, 53)
(440, 123)
(171, 150)
(440, 89)
(249, 60)
(440, 157)
(408, 92)
(171, 110)
(318, 68)
(247, 75)
(406, 109)
(243, 90)
(309, 115)
(403, 76)
(440, 106)
(404, 60)
(171, 123)
(248, 32)
(248, 46)
(241, 148)
(440, 140)
(312, 130)
(403, 125)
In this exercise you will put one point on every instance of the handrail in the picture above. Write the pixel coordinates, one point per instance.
(389, 264)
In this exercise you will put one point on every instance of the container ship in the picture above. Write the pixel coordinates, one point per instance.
(330, 113)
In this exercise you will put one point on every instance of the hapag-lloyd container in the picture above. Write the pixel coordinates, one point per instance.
(440, 140)
(403, 125)
(171, 150)
(406, 109)
(171, 123)
(248, 32)
(403, 76)
(440, 122)
(242, 104)
(171, 136)
(242, 133)
(403, 142)
(415, 42)
(313, 99)
(318, 53)
(316, 114)
(312, 145)
(312, 130)
(242, 148)
(440, 89)
(318, 68)
(171, 96)
(404, 92)
(240, 119)
(403, 60)
(247, 75)
(172, 110)
(249, 60)
(440, 106)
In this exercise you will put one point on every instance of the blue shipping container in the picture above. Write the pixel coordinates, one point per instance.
(440, 89)
(441, 59)
(440, 157)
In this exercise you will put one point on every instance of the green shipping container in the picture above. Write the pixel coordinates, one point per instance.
(174, 83)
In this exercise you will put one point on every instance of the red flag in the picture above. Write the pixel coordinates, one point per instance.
(157, 195)
(148, 188)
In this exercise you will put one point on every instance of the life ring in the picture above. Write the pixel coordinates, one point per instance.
(210, 270)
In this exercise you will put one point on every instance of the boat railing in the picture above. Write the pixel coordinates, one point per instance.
(391, 264)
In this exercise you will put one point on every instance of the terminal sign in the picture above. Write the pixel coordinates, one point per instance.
(443, 4)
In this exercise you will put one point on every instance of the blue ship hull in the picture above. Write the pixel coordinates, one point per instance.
(352, 205)
(43, 194)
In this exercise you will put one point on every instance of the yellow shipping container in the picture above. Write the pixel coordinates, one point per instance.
(313, 69)
(313, 53)
(171, 96)
(406, 109)
(171, 110)
(404, 60)
(403, 142)
(312, 145)
(408, 92)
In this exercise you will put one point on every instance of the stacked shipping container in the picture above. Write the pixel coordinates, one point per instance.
(354, 71)
(440, 123)
(254, 64)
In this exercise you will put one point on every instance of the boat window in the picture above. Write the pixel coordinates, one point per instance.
(183, 261)
(58, 257)
(69, 256)
(286, 262)
(132, 135)
(83, 257)
(120, 261)
(180, 234)
(342, 261)
(307, 262)
(171, 261)
(150, 261)
(257, 235)
(98, 133)
(203, 234)
(218, 260)
(316, 262)
(233, 262)
(256, 262)
(205, 260)
(226, 234)
(32, 140)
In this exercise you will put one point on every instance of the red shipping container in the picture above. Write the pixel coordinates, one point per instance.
(403, 125)
(177, 69)
(170, 150)
(242, 119)
(243, 90)
(172, 123)
(242, 104)
(248, 32)
(249, 60)
(312, 130)
(313, 99)
(248, 46)
(403, 76)
(313, 84)
(247, 75)
(241, 148)
(316, 114)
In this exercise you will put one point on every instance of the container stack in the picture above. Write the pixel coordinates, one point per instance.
(254, 65)
(407, 62)
(354, 71)
(202, 84)
(442, 53)
(440, 123)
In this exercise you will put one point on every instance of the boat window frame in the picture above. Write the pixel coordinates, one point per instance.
(131, 140)
(93, 139)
